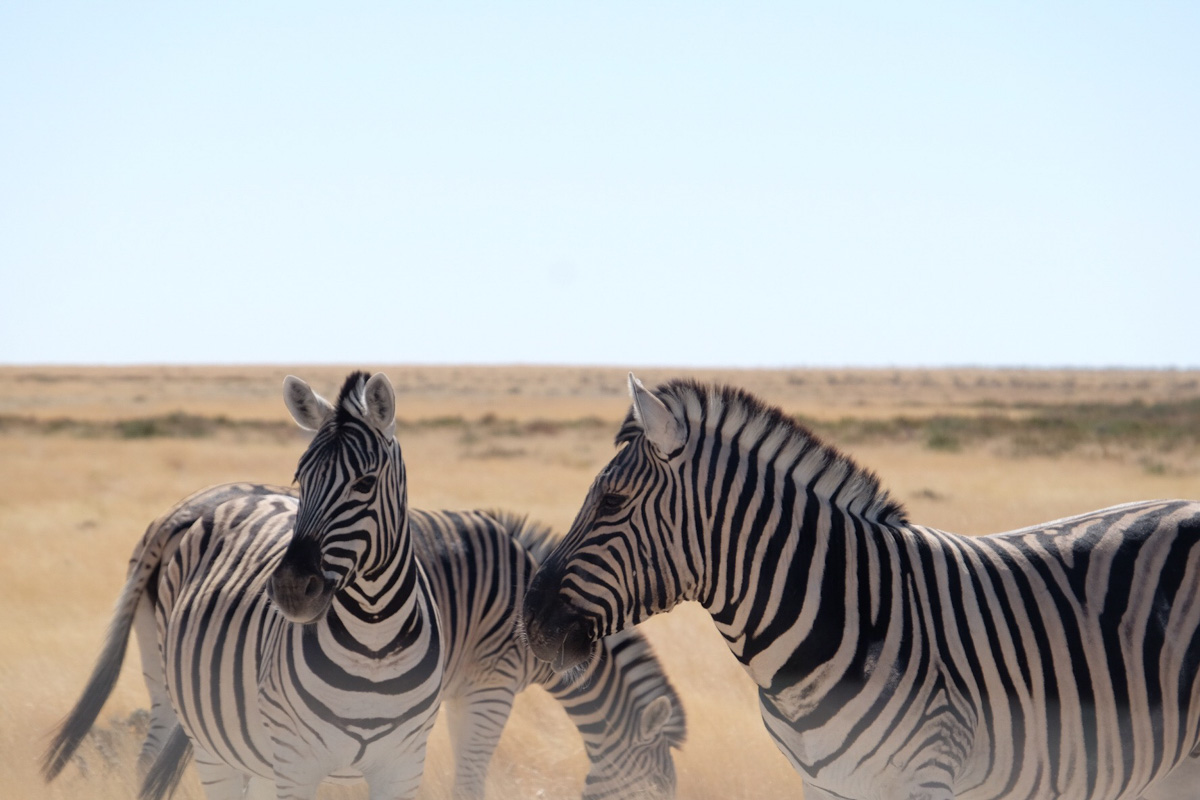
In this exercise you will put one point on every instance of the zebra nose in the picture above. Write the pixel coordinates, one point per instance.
(556, 632)
(300, 593)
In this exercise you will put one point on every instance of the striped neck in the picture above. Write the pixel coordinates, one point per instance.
(390, 544)
(364, 534)
(387, 599)
(771, 506)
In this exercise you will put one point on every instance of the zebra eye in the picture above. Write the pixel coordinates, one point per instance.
(611, 502)
(364, 484)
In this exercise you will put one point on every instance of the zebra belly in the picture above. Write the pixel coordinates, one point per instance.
(851, 756)
(844, 758)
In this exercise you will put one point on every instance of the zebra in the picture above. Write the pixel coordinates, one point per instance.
(293, 647)
(892, 660)
(478, 564)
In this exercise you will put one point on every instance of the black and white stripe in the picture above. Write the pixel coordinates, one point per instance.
(893, 660)
(627, 712)
(478, 565)
(292, 655)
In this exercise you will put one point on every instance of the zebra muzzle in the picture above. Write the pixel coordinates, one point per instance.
(301, 594)
(557, 633)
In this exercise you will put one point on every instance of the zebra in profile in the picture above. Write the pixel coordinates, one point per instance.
(893, 660)
(478, 565)
(293, 646)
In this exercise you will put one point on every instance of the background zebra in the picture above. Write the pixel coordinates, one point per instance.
(478, 565)
(355, 688)
(626, 710)
(893, 660)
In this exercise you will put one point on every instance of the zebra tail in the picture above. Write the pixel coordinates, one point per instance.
(72, 730)
(167, 771)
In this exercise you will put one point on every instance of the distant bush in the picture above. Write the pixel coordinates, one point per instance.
(1028, 429)
(176, 425)
(1034, 430)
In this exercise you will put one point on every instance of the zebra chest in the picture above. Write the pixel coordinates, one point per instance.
(328, 668)
(339, 712)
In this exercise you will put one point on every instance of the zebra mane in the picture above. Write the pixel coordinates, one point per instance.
(538, 539)
(350, 397)
(348, 408)
(860, 492)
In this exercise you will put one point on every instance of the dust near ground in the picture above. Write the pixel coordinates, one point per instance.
(88, 456)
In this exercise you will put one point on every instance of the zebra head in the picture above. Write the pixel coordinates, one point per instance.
(640, 765)
(623, 559)
(352, 494)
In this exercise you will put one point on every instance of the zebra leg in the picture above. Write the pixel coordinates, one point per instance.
(475, 722)
(292, 786)
(165, 773)
(220, 781)
(259, 789)
(162, 713)
(399, 779)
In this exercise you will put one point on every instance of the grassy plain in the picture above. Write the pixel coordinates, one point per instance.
(88, 456)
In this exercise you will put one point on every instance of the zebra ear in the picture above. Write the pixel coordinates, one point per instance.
(308, 408)
(381, 404)
(660, 425)
(654, 718)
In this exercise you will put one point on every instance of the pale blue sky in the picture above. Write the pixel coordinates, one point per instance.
(684, 184)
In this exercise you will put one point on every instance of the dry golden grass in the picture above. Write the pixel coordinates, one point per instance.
(72, 505)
